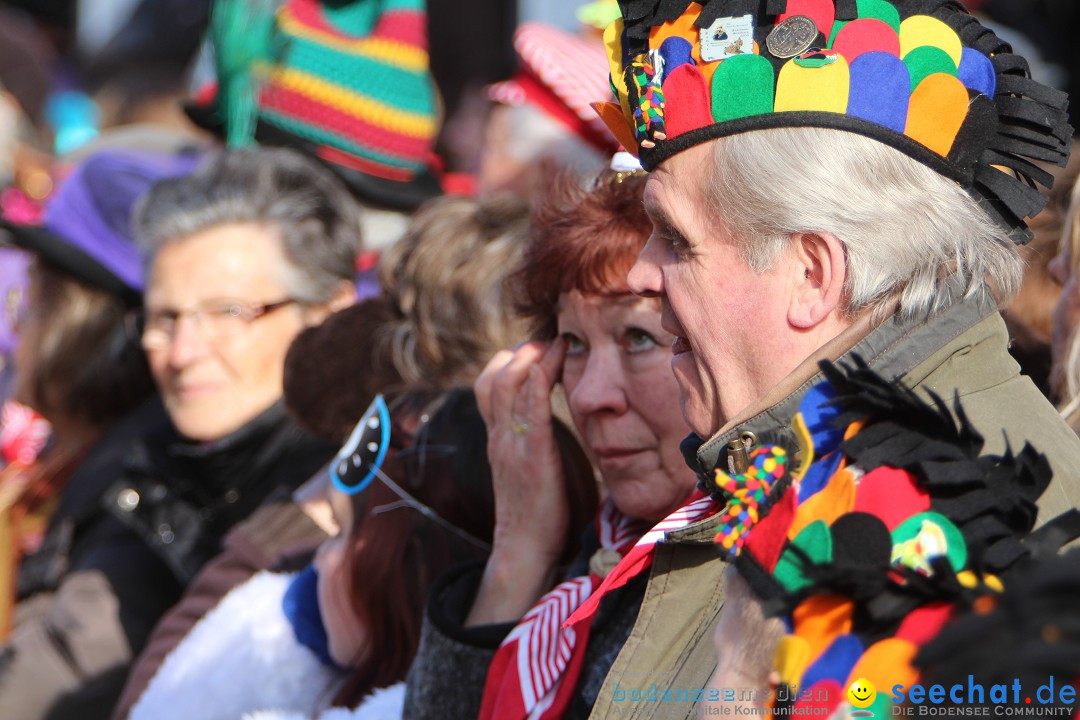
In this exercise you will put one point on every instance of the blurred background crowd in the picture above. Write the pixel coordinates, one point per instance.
(231, 230)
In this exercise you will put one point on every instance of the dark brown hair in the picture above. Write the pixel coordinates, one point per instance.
(394, 556)
(582, 238)
(85, 367)
(332, 372)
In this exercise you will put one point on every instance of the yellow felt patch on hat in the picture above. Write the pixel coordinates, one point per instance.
(923, 30)
(613, 46)
(791, 659)
(886, 663)
(820, 619)
(682, 27)
(613, 118)
(936, 112)
(823, 89)
(837, 498)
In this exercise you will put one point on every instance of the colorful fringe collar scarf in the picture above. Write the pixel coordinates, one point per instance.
(890, 525)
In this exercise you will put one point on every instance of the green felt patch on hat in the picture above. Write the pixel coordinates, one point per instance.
(881, 10)
(925, 536)
(815, 541)
(924, 61)
(742, 86)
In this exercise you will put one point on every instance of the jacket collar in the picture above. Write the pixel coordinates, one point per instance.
(893, 348)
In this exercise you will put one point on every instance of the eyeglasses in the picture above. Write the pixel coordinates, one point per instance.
(216, 320)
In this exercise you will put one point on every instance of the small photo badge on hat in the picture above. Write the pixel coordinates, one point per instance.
(727, 37)
(360, 458)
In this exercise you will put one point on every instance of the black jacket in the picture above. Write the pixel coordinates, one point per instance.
(139, 517)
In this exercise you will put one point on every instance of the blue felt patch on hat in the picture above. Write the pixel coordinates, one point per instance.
(836, 662)
(818, 416)
(676, 51)
(817, 476)
(880, 85)
(977, 72)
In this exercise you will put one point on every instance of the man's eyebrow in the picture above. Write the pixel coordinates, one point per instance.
(657, 214)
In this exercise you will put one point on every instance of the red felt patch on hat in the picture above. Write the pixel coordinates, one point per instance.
(922, 624)
(867, 35)
(819, 700)
(892, 495)
(822, 12)
(687, 101)
(766, 540)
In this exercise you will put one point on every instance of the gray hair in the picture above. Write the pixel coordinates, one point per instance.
(316, 218)
(904, 227)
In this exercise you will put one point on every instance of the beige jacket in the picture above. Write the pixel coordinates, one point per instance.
(962, 351)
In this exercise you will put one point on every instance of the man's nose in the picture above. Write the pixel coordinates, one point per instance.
(646, 278)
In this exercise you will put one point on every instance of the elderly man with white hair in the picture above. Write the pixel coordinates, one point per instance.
(830, 179)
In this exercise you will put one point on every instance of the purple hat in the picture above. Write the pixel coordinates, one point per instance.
(87, 228)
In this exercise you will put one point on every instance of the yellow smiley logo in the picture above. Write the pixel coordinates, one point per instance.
(862, 693)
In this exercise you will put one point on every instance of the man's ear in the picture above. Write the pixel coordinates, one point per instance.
(821, 267)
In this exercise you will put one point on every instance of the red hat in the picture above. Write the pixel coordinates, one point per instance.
(562, 74)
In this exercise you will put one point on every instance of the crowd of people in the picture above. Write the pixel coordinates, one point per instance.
(711, 363)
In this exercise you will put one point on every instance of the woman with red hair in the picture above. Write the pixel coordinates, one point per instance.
(521, 634)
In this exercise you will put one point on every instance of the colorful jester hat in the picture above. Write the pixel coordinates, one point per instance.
(921, 76)
(887, 525)
(347, 81)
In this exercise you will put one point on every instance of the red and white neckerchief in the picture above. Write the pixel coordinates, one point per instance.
(536, 668)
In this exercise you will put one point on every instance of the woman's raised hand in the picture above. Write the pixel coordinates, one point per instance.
(531, 507)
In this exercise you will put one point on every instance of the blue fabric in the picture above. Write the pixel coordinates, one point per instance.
(817, 476)
(835, 663)
(977, 72)
(301, 606)
(880, 90)
(676, 51)
(818, 416)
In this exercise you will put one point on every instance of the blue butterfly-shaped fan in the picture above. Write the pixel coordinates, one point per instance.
(363, 453)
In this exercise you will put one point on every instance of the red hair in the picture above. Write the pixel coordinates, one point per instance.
(583, 239)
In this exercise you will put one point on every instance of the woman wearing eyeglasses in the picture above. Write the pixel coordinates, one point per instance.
(240, 256)
(348, 627)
